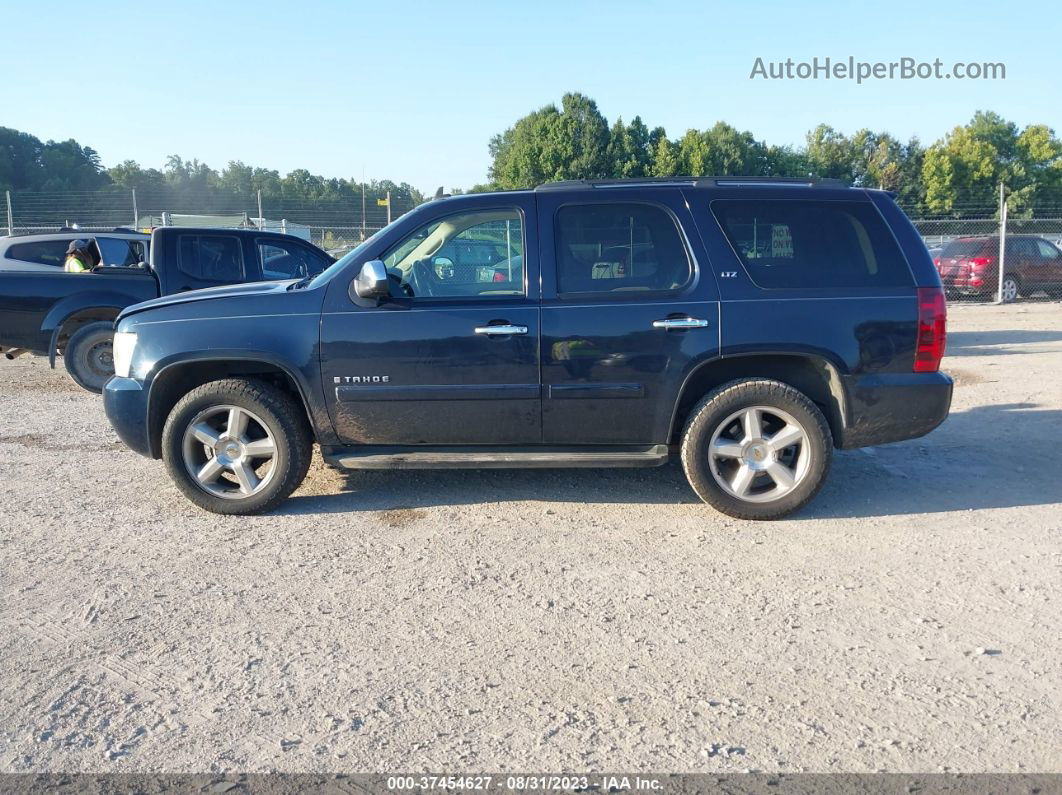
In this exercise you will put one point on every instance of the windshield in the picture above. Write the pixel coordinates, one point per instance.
(326, 275)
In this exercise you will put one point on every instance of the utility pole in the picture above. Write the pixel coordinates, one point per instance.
(10, 215)
(388, 208)
(1002, 241)
(136, 215)
(363, 204)
(261, 218)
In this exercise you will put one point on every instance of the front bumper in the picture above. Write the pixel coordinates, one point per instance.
(892, 407)
(125, 401)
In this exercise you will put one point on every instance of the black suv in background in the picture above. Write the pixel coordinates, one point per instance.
(748, 325)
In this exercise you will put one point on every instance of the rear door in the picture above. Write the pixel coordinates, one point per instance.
(452, 357)
(1023, 259)
(629, 307)
(198, 259)
(1051, 259)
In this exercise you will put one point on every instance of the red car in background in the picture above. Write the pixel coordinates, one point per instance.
(970, 266)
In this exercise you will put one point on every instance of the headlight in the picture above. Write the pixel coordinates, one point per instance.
(124, 343)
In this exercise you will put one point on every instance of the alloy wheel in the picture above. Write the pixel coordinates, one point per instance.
(759, 454)
(229, 451)
(1010, 290)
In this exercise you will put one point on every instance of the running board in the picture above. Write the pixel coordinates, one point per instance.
(530, 457)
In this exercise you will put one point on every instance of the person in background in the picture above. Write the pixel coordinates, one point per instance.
(78, 257)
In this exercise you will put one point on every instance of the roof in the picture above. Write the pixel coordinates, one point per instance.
(120, 232)
(694, 182)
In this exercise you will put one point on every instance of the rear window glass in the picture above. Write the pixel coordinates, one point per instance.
(963, 248)
(812, 243)
(211, 258)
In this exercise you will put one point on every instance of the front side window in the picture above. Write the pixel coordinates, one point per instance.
(41, 252)
(211, 258)
(812, 243)
(611, 248)
(472, 255)
(284, 259)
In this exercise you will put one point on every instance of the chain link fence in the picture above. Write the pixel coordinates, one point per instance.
(964, 244)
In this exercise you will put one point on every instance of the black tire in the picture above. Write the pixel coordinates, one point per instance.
(88, 355)
(718, 408)
(281, 417)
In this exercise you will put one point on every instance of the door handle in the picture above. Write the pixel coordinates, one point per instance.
(680, 323)
(501, 331)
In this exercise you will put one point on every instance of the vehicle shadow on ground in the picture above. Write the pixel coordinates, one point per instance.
(960, 466)
(967, 463)
(996, 343)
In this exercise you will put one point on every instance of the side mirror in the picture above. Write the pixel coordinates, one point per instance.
(371, 281)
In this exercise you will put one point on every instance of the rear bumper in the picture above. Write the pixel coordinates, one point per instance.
(125, 402)
(892, 407)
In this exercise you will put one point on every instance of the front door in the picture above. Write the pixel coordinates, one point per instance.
(452, 356)
(627, 313)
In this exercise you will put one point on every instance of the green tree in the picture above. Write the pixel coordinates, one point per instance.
(665, 161)
(550, 144)
(830, 154)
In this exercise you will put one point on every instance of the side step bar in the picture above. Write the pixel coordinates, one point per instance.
(537, 457)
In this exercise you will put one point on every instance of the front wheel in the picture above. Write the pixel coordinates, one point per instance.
(237, 446)
(756, 449)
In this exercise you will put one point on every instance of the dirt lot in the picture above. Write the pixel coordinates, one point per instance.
(909, 620)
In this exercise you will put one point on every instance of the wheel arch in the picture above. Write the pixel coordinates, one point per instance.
(813, 375)
(64, 326)
(172, 380)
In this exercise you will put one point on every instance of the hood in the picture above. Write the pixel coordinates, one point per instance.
(209, 293)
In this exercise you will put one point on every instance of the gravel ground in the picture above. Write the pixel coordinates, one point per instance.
(908, 620)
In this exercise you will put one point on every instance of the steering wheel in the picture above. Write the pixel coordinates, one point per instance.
(422, 278)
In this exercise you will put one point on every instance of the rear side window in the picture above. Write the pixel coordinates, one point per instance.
(813, 243)
(611, 248)
(41, 252)
(1048, 250)
(284, 259)
(211, 258)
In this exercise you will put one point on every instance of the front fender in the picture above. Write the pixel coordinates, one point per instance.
(157, 373)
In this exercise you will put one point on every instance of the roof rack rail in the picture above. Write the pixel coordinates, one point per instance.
(689, 181)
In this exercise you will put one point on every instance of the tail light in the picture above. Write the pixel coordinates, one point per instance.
(932, 323)
(979, 262)
(937, 263)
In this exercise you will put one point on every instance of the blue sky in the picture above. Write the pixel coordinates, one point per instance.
(413, 91)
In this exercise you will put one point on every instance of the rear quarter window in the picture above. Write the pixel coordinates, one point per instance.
(796, 243)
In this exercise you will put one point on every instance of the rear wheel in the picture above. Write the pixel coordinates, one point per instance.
(756, 449)
(88, 355)
(1011, 288)
(237, 446)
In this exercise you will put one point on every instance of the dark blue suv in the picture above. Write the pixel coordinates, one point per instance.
(747, 325)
